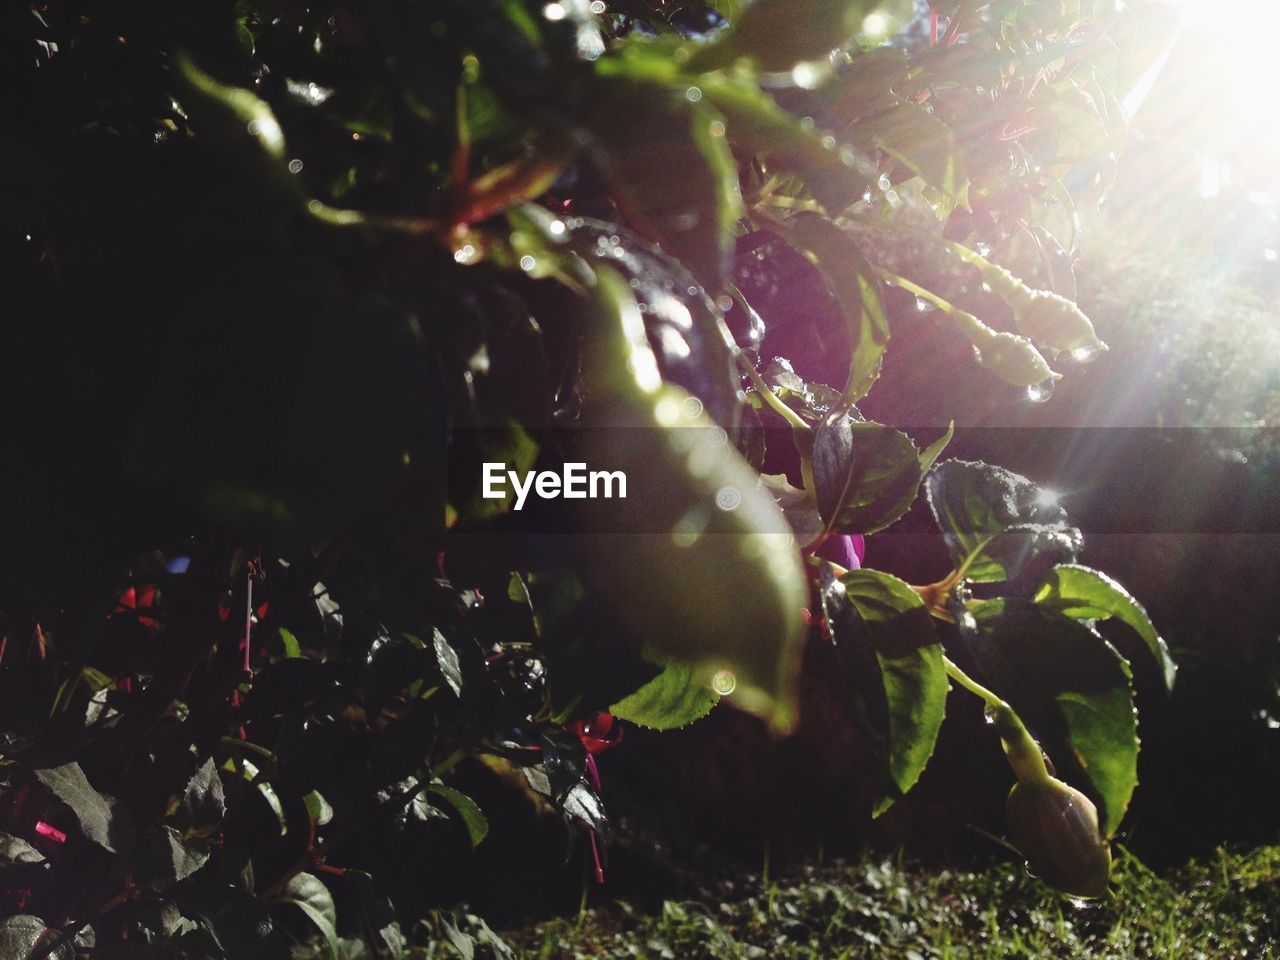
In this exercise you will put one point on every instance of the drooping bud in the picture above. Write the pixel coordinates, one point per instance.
(1056, 828)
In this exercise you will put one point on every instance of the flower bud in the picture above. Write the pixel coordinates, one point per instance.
(1056, 828)
(1056, 322)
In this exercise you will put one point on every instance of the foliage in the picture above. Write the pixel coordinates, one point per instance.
(293, 274)
(1222, 906)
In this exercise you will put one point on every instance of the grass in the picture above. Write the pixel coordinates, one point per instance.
(1226, 907)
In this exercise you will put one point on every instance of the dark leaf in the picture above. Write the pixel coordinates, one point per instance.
(996, 521)
(16, 852)
(1072, 689)
(667, 158)
(856, 288)
(866, 475)
(164, 857)
(100, 819)
(309, 894)
(447, 660)
(22, 934)
(203, 801)
(472, 816)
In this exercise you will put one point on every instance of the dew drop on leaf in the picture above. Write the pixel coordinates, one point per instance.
(1040, 392)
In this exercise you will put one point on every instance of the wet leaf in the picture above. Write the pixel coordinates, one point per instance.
(924, 145)
(674, 698)
(1087, 594)
(995, 521)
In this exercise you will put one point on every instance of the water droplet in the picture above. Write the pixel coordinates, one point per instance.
(805, 76)
(464, 254)
(1040, 392)
(693, 94)
(984, 249)
(717, 128)
(875, 24)
(597, 6)
(989, 714)
(556, 227)
(527, 263)
(728, 498)
(925, 306)
(1085, 353)
(724, 302)
(555, 11)
(724, 682)
(883, 182)
(295, 166)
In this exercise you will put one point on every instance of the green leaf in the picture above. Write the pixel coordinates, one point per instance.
(756, 122)
(100, 819)
(472, 816)
(922, 143)
(309, 894)
(995, 521)
(1087, 594)
(238, 122)
(1072, 689)
(777, 34)
(16, 852)
(895, 621)
(283, 645)
(203, 802)
(318, 809)
(866, 475)
(674, 698)
(856, 288)
(666, 158)
(447, 660)
(715, 581)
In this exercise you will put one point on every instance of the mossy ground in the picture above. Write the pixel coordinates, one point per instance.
(1227, 906)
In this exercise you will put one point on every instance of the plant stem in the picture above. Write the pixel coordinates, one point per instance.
(1020, 748)
(768, 396)
(946, 306)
